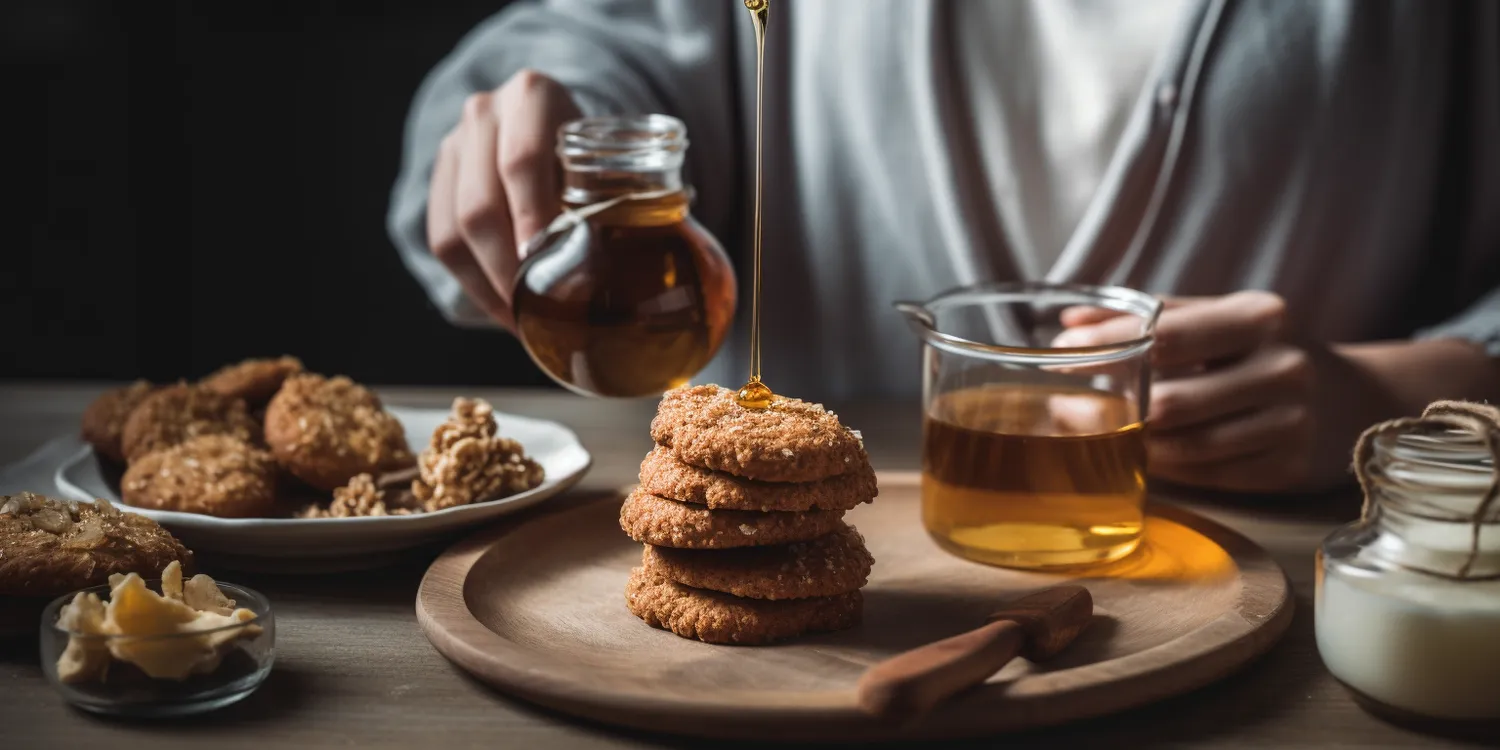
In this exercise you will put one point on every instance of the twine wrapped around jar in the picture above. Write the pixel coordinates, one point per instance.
(1479, 419)
(572, 217)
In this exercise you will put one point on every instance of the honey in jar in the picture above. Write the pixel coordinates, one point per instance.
(1034, 476)
(626, 295)
(1033, 454)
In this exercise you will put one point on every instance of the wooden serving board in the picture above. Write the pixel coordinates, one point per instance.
(536, 608)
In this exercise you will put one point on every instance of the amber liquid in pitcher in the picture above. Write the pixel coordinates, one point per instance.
(633, 301)
(1030, 476)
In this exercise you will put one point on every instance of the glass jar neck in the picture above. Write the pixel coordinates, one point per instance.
(587, 187)
(608, 158)
(1427, 487)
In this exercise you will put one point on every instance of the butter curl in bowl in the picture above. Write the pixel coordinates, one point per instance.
(158, 648)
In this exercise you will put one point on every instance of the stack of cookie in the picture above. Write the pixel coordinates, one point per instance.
(741, 513)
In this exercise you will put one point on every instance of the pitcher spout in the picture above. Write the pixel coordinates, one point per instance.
(918, 317)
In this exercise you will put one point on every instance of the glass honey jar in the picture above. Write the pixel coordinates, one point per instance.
(625, 295)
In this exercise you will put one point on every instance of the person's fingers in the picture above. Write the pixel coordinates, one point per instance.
(532, 107)
(1085, 315)
(1275, 374)
(443, 238)
(1232, 438)
(1279, 469)
(482, 214)
(1221, 328)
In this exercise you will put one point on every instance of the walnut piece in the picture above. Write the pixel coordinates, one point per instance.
(467, 462)
(49, 514)
(360, 497)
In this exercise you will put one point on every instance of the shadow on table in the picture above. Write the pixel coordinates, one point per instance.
(284, 692)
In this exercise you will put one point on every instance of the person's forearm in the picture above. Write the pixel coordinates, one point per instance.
(1412, 374)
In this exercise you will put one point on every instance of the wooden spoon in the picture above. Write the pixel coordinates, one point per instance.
(1037, 627)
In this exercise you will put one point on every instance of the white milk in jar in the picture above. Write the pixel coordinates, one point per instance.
(1408, 604)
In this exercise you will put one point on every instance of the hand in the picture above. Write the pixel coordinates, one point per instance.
(1232, 406)
(495, 185)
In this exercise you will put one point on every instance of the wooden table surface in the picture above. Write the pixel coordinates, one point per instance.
(353, 669)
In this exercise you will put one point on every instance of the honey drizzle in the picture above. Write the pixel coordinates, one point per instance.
(756, 394)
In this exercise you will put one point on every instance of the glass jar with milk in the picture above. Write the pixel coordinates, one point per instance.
(1408, 598)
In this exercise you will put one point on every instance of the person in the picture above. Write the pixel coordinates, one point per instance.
(1312, 186)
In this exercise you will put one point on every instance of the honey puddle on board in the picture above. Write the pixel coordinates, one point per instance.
(1029, 476)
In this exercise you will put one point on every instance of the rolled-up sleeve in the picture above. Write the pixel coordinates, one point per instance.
(1479, 323)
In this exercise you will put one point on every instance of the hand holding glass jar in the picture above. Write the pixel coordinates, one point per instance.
(495, 184)
(624, 294)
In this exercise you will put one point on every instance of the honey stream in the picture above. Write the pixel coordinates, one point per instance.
(755, 394)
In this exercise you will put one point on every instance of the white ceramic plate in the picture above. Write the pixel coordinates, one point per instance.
(322, 544)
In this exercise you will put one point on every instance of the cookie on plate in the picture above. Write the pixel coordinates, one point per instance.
(713, 617)
(52, 547)
(792, 441)
(104, 420)
(255, 380)
(832, 564)
(668, 523)
(326, 431)
(180, 412)
(215, 475)
(664, 475)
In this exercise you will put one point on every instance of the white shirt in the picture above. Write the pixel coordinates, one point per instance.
(1052, 83)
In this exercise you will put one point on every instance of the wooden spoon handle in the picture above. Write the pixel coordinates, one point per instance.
(910, 684)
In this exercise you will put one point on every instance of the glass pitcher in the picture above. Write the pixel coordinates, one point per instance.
(1033, 455)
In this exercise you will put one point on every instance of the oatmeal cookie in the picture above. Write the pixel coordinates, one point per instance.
(177, 413)
(832, 564)
(664, 475)
(467, 462)
(255, 380)
(792, 441)
(216, 475)
(668, 523)
(104, 420)
(713, 617)
(325, 431)
(51, 547)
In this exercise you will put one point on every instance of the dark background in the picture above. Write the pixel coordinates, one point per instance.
(192, 183)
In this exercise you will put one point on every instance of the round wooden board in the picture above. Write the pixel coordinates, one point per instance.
(536, 608)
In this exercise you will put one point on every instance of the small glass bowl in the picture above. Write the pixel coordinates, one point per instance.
(127, 691)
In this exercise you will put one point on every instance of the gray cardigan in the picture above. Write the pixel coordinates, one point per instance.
(1343, 154)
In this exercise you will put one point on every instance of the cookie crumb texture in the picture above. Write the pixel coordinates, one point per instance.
(216, 475)
(713, 617)
(667, 523)
(104, 419)
(664, 475)
(832, 564)
(326, 431)
(792, 441)
(49, 547)
(255, 380)
(179, 413)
